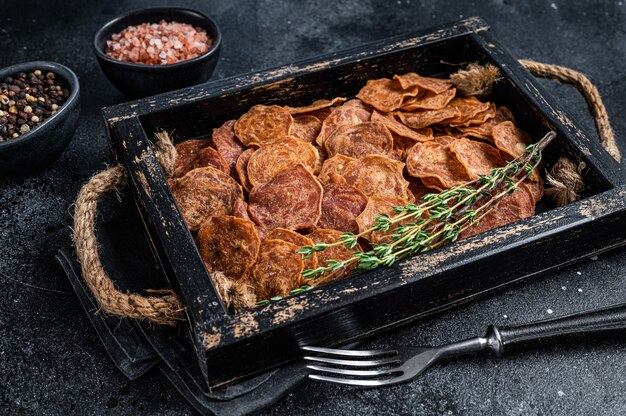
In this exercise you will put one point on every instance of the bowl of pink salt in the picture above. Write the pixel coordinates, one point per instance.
(151, 51)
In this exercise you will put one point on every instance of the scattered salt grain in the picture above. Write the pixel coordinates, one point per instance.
(550, 311)
(505, 316)
(563, 288)
(158, 43)
(560, 393)
(580, 290)
(579, 273)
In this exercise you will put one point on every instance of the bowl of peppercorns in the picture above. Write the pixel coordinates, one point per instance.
(151, 51)
(39, 109)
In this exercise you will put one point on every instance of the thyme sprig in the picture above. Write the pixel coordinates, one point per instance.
(439, 219)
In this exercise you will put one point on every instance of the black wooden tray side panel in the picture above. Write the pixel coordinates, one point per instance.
(165, 223)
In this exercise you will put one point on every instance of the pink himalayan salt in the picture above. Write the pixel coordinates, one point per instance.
(158, 43)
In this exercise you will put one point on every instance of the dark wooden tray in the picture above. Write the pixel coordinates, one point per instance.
(232, 347)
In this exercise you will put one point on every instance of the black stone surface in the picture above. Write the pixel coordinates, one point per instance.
(51, 361)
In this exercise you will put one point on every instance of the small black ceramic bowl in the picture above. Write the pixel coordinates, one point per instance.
(44, 144)
(141, 80)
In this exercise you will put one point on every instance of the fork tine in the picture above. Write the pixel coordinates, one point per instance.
(353, 382)
(354, 363)
(350, 353)
(362, 373)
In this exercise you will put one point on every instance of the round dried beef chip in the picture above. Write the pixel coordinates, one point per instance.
(346, 115)
(431, 159)
(334, 165)
(385, 94)
(306, 128)
(315, 106)
(341, 204)
(339, 253)
(513, 207)
(536, 189)
(203, 193)
(263, 124)
(478, 158)
(229, 245)
(510, 139)
(274, 158)
(297, 239)
(419, 119)
(186, 152)
(418, 189)
(292, 200)
(228, 145)
(468, 108)
(378, 206)
(240, 209)
(411, 79)
(242, 168)
(389, 121)
(207, 157)
(277, 270)
(360, 140)
(377, 176)
(430, 101)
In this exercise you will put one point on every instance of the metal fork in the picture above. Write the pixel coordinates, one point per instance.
(386, 367)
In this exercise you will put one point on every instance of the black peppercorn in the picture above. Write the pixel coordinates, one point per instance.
(26, 100)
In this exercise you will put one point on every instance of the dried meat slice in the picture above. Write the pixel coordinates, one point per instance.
(434, 160)
(334, 165)
(338, 253)
(418, 189)
(228, 145)
(207, 157)
(297, 239)
(186, 152)
(389, 121)
(368, 138)
(423, 118)
(411, 79)
(468, 108)
(291, 200)
(263, 124)
(378, 206)
(536, 189)
(306, 128)
(315, 106)
(229, 245)
(385, 94)
(377, 176)
(242, 168)
(513, 207)
(478, 158)
(240, 209)
(510, 139)
(203, 193)
(341, 204)
(478, 119)
(430, 101)
(346, 115)
(274, 158)
(277, 270)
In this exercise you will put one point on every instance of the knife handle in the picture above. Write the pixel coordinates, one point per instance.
(588, 325)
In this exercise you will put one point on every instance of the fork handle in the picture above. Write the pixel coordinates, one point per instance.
(580, 326)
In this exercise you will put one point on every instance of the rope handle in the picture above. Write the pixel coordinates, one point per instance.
(164, 307)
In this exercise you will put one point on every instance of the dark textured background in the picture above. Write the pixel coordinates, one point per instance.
(51, 361)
